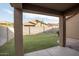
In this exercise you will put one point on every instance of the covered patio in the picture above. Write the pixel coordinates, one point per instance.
(64, 11)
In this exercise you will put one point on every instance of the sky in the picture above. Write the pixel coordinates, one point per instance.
(7, 14)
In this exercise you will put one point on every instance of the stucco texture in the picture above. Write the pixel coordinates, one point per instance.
(72, 27)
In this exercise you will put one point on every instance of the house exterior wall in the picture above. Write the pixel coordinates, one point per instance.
(72, 27)
(38, 24)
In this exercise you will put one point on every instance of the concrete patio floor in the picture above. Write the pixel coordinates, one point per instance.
(55, 51)
(72, 43)
(72, 49)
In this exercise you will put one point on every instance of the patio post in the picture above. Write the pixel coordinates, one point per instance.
(62, 30)
(18, 32)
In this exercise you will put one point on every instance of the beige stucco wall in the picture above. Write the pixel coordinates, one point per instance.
(72, 27)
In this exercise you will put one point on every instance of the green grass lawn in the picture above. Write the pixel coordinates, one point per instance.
(31, 43)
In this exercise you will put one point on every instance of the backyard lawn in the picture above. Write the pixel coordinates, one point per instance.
(31, 43)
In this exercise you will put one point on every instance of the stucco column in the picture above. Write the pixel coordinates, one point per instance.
(62, 31)
(18, 32)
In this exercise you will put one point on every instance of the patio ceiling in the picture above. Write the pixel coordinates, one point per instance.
(56, 6)
(55, 9)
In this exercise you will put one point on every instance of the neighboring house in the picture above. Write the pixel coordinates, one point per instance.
(37, 23)
(29, 24)
(53, 25)
(35, 27)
